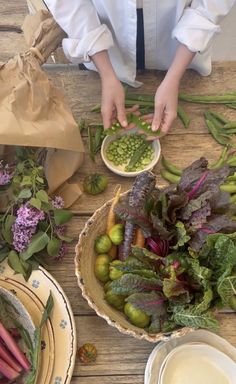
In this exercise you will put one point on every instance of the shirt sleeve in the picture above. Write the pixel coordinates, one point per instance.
(200, 22)
(86, 34)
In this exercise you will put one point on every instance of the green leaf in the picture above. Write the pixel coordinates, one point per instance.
(42, 196)
(3, 253)
(54, 246)
(47, 310)
(40, 180)
(36, 203)
(25, 194)
(26, 181)
(129, 284)
(182, 237)
(204, 303)
(15, 263)
(199, 273)
(143, 254)
(173, 288)
(37, 244)
(188, 318)
(67, 239)
(227, 288)
(6, 228)
(61, 216)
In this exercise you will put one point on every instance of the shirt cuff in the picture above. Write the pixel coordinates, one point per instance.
(195, 31)
(79, 50)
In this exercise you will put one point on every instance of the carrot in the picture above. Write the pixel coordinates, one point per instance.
(139, 238)
(113, 252)
(111, 218)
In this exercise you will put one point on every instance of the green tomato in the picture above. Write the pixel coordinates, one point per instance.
(114, 272)
(107, 286)
(116, 234)
(95, 183)
(232, 302)
(103, 244)
(101, 268)
(116, 301)
(136, 316)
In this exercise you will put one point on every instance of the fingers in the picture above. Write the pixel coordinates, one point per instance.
(107, 115)
(134, 108)
(158, 116)
(121, 114)
(167, 121)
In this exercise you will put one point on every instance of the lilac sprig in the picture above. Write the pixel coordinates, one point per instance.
(5, 174)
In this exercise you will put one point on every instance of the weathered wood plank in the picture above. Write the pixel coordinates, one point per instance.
(121, 354)
(125, 379)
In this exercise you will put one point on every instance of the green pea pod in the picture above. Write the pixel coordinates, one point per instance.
(91, 143)
(231, 106)
(170, 167)
(231, 161)
(220, 162)
(136, 156)
(230, 131)
(98, 138)
(172, 178)
(183, 116)
(219, 117)
(230, 124)
(230, 188)
(233, 198)
(217, 124)
(221, 139)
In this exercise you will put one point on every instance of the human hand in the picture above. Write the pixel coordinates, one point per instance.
(166, 102)
(113, 102)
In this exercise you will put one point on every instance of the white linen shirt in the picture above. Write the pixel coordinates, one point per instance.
(96, 25)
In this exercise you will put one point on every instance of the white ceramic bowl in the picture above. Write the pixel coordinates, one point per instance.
(120, 170)
(197, 363)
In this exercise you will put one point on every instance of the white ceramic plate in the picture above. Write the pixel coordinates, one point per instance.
(202, 362)
(119, 169)
(161, 351)
(59, 337)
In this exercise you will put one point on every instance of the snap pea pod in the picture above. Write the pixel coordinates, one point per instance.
(140, 97)
(221, 161)
(219, 117)
(230, 131)
(217, 124)
(219, 137)
(210, 99)
(139, 123)
(230, 188)
(183, 116)
(232, 106)
(91, 143)
(230, 124)
(233, 200)
(170, 167)
(98, 138)
(137, 155)
(231, 161)
(232, 177)
(173, 179)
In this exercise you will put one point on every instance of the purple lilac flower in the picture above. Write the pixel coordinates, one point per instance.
(58, 202)
(62, 251)
(5, 174)
(60, 230)
(29, 216)
(22, 236)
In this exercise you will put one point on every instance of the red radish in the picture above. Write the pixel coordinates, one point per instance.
(7, 357)
(8, 371)
(13, 347)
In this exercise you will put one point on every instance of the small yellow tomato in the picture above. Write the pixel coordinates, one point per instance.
(136, 316)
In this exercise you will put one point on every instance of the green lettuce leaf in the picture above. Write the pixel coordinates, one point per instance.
(227, 288)
(182, 236)
(188, 318)
(129, 284)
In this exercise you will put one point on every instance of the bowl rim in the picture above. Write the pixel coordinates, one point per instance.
(148, 167)
(140, 334)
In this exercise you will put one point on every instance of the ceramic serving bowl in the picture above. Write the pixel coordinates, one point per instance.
(202, 362)
(120, 169)
(92, 289)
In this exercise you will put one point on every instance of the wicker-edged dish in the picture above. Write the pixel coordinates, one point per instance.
(92, 289)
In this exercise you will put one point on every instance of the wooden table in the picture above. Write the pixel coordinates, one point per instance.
(121, 359)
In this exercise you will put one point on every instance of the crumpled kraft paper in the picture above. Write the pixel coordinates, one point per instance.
(34, 112)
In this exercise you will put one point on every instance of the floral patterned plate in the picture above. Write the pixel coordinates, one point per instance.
(59, 338)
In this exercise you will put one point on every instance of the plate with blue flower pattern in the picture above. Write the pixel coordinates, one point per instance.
(58, 349)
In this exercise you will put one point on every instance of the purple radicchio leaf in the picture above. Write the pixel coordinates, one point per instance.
(129, 283)
(192, 174)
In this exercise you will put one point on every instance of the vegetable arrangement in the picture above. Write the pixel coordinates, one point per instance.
(19, 356)
(185, 267)
(33, 224)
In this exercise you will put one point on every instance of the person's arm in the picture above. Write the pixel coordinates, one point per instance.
(194, 31)
(113, 96)
(166, 98)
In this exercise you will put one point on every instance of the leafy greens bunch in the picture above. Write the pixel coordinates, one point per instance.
(33, 224)
(188, 267)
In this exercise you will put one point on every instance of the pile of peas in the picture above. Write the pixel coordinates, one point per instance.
(120, 151)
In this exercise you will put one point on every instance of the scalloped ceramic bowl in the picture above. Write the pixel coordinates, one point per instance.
(120, 169)
(92, 289)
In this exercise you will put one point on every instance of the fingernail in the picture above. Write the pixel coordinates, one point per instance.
(154, 128)
(124, 123)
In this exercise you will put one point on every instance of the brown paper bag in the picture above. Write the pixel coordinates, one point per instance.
(33, 112)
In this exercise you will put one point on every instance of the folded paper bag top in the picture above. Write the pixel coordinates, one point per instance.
(33, 111)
